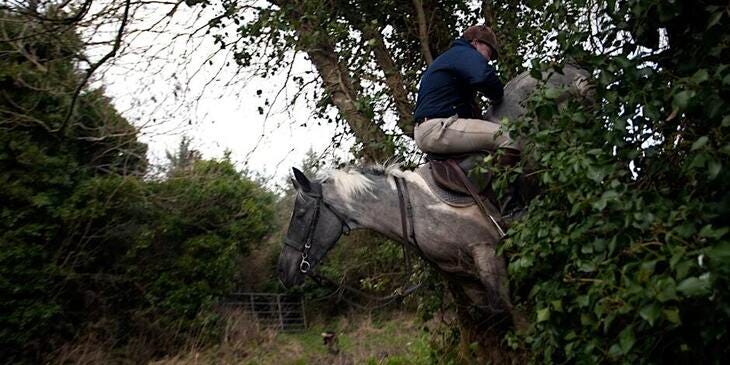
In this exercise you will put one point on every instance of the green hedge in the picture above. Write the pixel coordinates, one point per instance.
(85, 239)
(624, 256)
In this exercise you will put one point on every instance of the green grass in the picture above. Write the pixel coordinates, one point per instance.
(390, 338)
(393, 341)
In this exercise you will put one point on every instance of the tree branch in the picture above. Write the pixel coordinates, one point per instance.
(393, 80)
(94, 67)
(490, 18)
(338, 83)
(423, 32)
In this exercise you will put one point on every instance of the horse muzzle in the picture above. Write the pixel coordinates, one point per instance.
(288, 269)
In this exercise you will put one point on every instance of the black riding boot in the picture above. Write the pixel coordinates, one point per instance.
(508, 157)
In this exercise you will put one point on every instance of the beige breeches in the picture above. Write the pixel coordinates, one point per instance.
(455, 135)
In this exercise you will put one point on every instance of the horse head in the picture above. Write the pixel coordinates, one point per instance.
(313, 230)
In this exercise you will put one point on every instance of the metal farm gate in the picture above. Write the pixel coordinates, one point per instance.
(271, 310)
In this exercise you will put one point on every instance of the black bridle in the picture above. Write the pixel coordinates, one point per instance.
(304, 247)
(408, 236)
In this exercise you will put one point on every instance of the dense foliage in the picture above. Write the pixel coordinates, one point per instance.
(624, 256)
(85, 241)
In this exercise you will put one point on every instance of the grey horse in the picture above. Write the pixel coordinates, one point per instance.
(458, 241)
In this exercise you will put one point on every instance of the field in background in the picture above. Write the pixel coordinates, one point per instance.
(391, 338)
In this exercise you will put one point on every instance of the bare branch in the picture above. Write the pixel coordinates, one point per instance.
(33, 12)
(112, 53)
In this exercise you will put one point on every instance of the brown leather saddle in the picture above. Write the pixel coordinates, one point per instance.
(455, 173)
(452, 172)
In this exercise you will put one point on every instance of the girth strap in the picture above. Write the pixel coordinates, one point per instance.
(403, 213)
(406, 212)
(409, 236)
(485, 206)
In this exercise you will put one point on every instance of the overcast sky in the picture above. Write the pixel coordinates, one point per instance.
(170, 87)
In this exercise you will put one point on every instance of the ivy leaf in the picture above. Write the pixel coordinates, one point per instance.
(700, 76)
(685, 230)
(583, 301)
(682, 98)
(543, 314)
(595, 174)
(720, 252)
(627, 339)
(699, 143)
(683, 268)
(558, 305)
(711, 232)
(553, 93)
(586, 320)
(693, 286)
(615, 351)
(666, 288)
(714, 169)
(607, 196)
(672, 315)
(599, 205)
(650, 313)
(714, 19)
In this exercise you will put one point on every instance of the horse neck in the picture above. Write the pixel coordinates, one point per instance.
(377, 209)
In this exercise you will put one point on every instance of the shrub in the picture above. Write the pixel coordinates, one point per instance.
(86, 243)
(624, 256)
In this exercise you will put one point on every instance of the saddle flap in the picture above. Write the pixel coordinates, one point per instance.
(447, 174)
(444, 175)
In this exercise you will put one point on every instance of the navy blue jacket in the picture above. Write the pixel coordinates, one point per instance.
(448, 86)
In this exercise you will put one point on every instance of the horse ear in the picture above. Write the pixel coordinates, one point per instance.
(302, 180)
(295, 183)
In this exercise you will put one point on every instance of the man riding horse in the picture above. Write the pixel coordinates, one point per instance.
(448, 119)
(408, 206)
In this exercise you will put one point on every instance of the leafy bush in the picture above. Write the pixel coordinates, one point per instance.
(53, 221)
(624, 256)
(84, 238)
(202, 220)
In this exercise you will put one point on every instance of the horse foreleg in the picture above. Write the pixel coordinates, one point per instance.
(483, 328)
(468, 325)
(492, 273)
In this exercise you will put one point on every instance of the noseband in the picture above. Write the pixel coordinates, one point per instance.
(305, 265)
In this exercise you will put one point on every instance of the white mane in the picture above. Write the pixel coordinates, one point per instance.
(352, 181)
